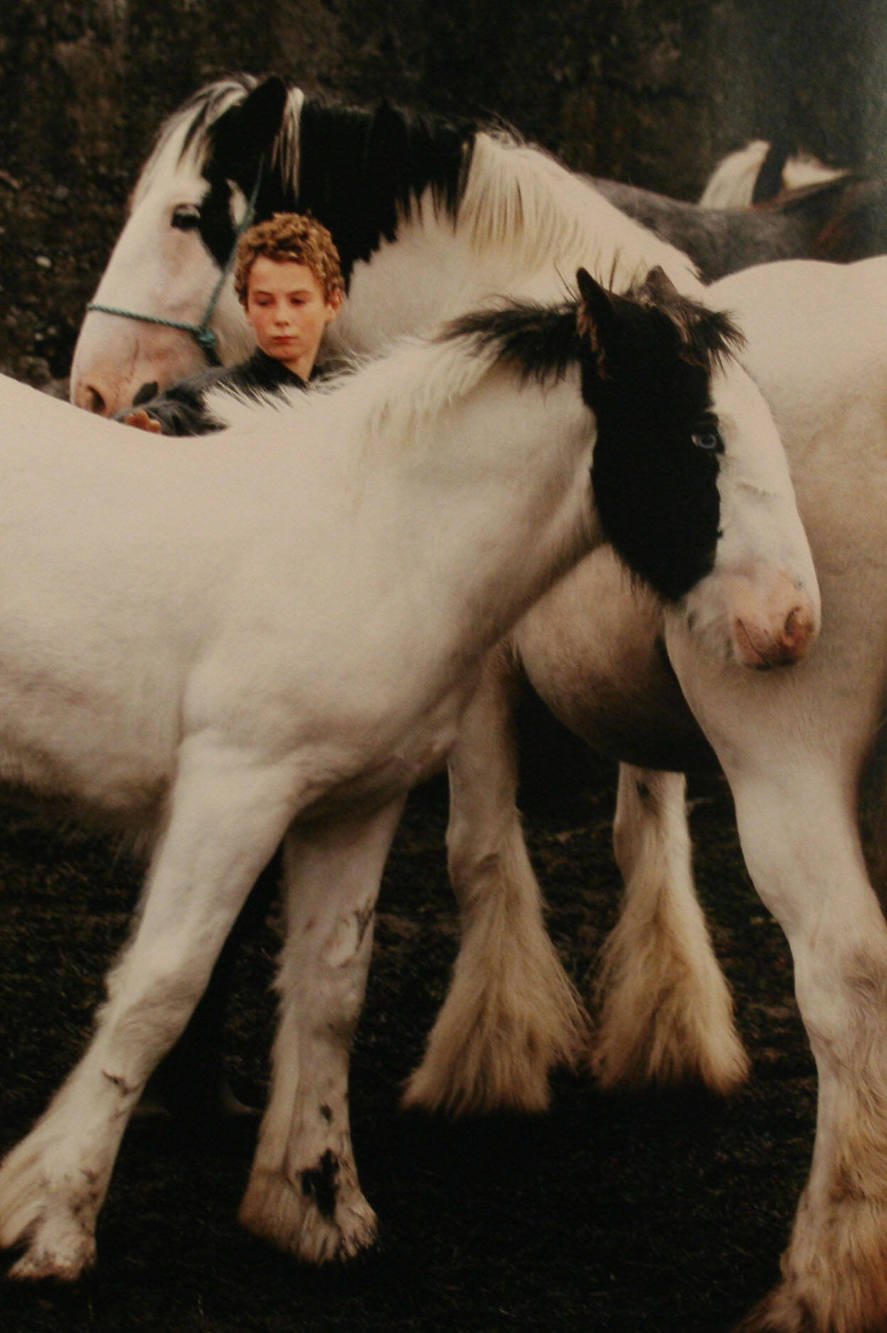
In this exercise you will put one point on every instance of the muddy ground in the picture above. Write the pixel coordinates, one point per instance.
(609, 1214)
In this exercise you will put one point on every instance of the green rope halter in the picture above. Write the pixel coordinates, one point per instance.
(202, 334)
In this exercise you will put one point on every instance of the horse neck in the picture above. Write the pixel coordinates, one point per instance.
(524, 226)
(491, 492)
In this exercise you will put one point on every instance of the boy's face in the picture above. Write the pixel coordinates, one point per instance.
(288, 312)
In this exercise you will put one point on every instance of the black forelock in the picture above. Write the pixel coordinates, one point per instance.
(206, 105)
(702, 336)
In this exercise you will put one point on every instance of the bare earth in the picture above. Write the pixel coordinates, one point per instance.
(608, 1215)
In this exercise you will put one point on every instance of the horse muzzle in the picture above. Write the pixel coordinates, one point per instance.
(773, 625)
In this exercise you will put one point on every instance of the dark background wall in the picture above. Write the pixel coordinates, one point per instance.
(652, 91)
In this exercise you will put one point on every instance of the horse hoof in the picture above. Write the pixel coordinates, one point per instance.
(316, 1225)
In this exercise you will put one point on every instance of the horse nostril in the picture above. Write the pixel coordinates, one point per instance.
(146, 393)
(798, 630)
(93, 401)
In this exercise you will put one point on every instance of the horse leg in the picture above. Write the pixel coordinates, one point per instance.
(511, 1012)
(665, 1015)
(303, 1193)
(803, 853)
(793, 747)
(190, 1083)
(226, 818)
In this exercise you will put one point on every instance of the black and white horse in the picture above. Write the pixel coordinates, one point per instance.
(763, 169)
(230, 645)
(427, 216)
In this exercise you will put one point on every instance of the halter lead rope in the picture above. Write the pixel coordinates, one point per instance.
(202, 334)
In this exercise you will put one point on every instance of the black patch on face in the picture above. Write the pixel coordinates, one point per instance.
(216, 227)
(646, 361)
(656, 459)
(319, 1184)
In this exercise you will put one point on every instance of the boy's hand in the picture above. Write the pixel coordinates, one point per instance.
(142, 421)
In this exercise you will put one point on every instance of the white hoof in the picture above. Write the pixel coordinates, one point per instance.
(48, 1203)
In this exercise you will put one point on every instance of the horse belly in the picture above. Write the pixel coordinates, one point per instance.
(592, 648)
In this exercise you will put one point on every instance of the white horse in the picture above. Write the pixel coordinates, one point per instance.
(804, 755)
(797, 754)
(428, 217)
(229, 644)
(794, 747)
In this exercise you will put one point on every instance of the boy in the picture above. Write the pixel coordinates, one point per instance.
(288, 278)
(289, 281)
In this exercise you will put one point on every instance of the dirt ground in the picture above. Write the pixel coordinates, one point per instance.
(609, 1214)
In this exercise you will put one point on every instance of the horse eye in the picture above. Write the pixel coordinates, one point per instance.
(708, 437)
(186, 217)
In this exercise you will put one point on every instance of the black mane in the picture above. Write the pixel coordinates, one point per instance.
(539, 342)
(359, 171)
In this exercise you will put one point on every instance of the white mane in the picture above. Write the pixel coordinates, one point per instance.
(286, 146)
(550, 218)
(732, 183)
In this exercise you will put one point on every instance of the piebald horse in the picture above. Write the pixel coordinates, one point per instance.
(272, 633)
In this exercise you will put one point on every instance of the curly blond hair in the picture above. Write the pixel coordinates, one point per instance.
(294, 237)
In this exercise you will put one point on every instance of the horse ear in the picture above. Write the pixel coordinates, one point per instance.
(657, 287)
(387, 148)
(246, 131)
(596, 318)
(262, 111)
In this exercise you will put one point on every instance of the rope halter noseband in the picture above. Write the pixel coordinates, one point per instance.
(203, 335)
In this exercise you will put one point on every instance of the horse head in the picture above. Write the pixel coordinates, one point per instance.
(690, 479)
(165, 303)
